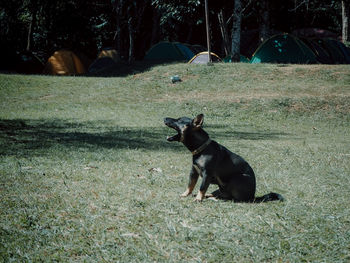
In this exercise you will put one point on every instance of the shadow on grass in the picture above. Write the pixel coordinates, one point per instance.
(18, 135)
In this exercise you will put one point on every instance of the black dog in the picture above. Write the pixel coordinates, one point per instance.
(215, 164)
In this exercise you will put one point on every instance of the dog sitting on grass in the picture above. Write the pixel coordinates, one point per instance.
(215, 164)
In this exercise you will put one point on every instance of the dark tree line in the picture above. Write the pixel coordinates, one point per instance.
(132, 27)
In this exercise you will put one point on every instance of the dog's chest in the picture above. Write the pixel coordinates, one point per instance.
(202, 161)
(201, 164)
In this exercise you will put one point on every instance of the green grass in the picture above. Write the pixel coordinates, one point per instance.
(86, 174)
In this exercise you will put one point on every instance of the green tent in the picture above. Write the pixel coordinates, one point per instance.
(283, 49)
(228, 59)
(334, 50)
(168, 51)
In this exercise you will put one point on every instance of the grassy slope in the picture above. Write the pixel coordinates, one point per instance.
(86, 173)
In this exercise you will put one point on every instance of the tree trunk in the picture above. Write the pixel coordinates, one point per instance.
(345, 17)
(33, 11)
(264, 21)
(30, 34)
(224, 33)
(236, 31)
(131, 40)
(117, 35)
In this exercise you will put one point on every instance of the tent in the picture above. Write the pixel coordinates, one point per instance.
(109, 52)
(186, 51)
(64, 62)
(169, 51)
(322, 55)
(337, 51)
(343, 49)
(202, 58)
(28, 63)
(283, 49)
(250, 40)
(244, 59)
(106, 59)
(101, 64)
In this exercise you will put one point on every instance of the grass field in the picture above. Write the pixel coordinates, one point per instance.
(86, 174)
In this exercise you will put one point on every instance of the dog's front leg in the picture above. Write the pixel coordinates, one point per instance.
(192, 182)
(204, 186)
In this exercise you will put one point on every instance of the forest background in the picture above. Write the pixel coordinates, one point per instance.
(132, 27)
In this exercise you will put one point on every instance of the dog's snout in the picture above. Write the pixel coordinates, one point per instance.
(168, 120)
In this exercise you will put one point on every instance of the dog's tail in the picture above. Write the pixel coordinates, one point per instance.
(268, 197)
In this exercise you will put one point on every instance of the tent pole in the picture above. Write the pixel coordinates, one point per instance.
(207, 27)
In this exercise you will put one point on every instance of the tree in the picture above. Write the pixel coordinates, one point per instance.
(224, 32)
(264, 19)
(236, 31)
(345, 20)
(178, 19)
(33, 8)
(133, 26)
(129, 16)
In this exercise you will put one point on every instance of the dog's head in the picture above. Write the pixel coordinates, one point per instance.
(184, 126)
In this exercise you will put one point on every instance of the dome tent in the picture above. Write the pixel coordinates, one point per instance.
(336, 50)
(109, 52)
(64, 62)
(322, 55)
(283, 48)
(242, 58)
(101, 64)
(202, 58)
(169, 51)
(108, 58)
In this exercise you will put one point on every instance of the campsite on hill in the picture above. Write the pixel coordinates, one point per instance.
(90, 170)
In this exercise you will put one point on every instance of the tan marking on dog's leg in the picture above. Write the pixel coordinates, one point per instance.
(190, 187)
(200, 195)
(186, 193)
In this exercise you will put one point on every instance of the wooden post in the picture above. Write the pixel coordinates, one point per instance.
(207, 27)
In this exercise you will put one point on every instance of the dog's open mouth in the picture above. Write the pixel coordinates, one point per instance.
(173, 138)
(168, 122)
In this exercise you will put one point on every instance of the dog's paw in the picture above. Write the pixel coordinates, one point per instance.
(185, 194)
(200, 196)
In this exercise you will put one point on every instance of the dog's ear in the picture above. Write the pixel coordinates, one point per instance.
(198, 121)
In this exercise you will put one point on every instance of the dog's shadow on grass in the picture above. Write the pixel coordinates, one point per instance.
(25, 135)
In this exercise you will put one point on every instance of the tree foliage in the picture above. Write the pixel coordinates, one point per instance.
(133, 26)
